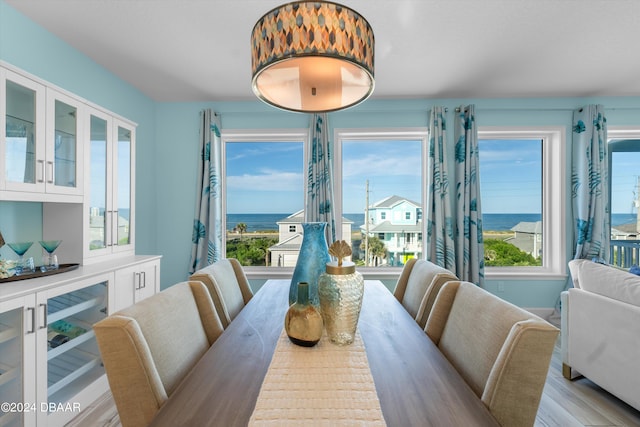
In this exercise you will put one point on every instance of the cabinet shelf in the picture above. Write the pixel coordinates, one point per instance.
(9, 418)
(7, 374)
(70, 366)
(7, 333)
(69, 304)
(52, 353)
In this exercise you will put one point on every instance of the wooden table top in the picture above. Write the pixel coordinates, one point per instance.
(415, 383)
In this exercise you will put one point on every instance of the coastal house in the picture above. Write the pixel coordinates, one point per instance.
(527, 236)
(146, 70)
(397, 222)
(290, 234)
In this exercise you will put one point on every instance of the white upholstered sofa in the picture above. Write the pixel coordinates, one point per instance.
(601, 328)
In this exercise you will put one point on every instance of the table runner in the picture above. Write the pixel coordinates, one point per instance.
(323, 385)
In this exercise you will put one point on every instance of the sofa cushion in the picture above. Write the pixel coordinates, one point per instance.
(606, 281)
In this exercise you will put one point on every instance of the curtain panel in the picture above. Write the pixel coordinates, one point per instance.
(319, 203)
(441, 249)
(468, 233)
(590, 184)
(207, 233)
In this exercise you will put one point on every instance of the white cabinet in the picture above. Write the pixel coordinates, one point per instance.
(49, 357)
(17, 351)
(40, 149)
(136, 283)
(108, 214)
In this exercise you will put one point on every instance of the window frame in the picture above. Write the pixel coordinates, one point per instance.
(407, 134)
(266, 136)
(554, 190)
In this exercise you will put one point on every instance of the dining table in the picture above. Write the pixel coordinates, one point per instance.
(415, 383)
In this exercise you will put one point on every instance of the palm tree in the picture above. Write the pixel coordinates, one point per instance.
(241, 227)
(377, 250)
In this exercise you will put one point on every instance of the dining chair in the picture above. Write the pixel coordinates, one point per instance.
(148, 348)
(228, 286)
(418, 286)
(501, 351)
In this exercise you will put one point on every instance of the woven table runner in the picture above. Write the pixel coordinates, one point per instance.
(325, 385)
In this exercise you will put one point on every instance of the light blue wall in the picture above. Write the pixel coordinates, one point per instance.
(26, 45)
(167, 140)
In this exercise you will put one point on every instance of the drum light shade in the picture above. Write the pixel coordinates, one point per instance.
(312, 57)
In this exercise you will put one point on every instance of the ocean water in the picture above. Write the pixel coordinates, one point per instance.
(496, 222)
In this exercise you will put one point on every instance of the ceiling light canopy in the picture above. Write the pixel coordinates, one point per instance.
(312, 57)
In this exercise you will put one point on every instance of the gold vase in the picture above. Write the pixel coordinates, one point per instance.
(303, 321)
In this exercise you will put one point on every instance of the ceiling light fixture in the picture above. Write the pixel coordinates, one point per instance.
(312, 57)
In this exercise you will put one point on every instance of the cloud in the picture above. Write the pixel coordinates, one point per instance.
(266, 180)
(374, 165)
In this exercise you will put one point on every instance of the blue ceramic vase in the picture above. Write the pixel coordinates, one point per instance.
(313, 256)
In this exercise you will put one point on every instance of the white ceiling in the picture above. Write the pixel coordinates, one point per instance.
(198, 50)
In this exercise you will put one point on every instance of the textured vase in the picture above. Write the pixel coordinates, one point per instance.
(303, 321)
(313, 256)
(341, 289)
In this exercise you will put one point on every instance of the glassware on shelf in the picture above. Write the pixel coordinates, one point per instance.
(23, 266)
(50, 261)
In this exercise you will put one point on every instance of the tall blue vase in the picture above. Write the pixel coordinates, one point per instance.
(312, 259)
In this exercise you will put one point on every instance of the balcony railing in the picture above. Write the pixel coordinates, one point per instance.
(624, 253)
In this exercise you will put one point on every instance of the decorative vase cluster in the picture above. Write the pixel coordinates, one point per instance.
(323, 293)
(340, 290)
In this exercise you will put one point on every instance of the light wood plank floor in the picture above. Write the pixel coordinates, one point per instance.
(564, 404)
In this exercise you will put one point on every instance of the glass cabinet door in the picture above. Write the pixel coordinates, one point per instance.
(98, 191)
(65, 140)
(23, 134)
(62, 171)
(17, 349)
(123, 179)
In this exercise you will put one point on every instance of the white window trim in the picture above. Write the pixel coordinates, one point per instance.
(260, 135)
(554, 192)
(340, 134)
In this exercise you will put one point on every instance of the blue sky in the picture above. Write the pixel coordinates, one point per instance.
(264, 177)
(511, 176)
(268, 177)
(625, 170)
(392, 168)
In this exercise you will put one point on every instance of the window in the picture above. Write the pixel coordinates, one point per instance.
(263, 189)
(522, 196)
(379, 178)
(624, 181)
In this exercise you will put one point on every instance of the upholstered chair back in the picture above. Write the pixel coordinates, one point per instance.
(228, 286)
(502, 351)
(418, 287)
(148, 348)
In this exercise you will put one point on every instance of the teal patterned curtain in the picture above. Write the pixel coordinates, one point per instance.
(206, 245)
(319, 206)
(590, 183)
(441, 249)
(468, 241)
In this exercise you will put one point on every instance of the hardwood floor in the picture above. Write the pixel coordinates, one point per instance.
(564, 404)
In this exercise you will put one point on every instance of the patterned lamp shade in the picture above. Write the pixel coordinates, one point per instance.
(312, 57)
